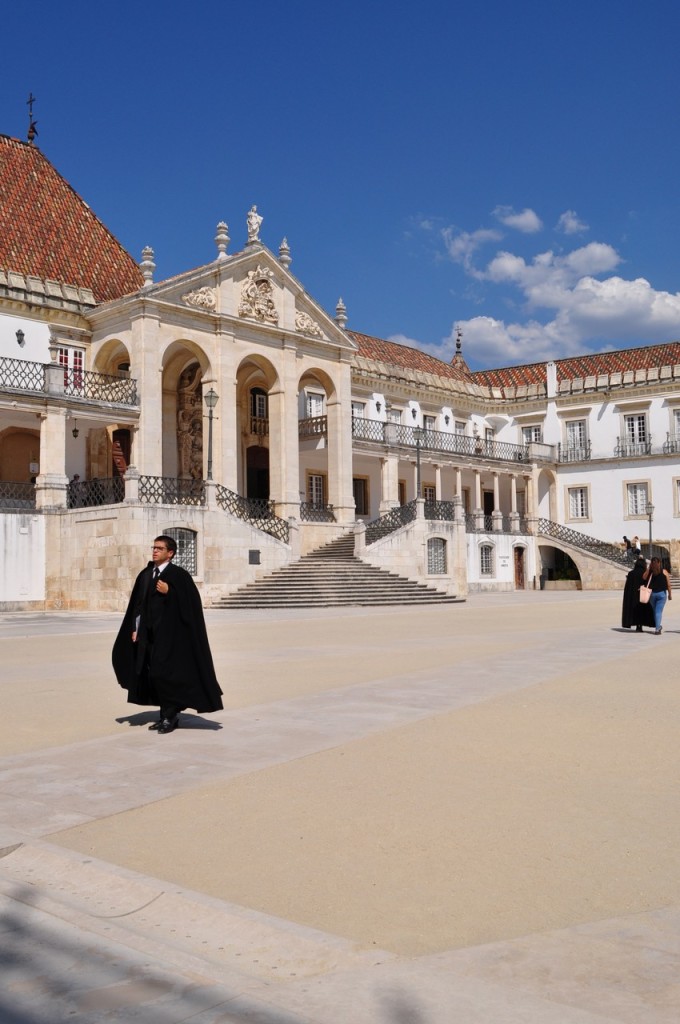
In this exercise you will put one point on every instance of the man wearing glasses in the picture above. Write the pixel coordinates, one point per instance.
(161, 655)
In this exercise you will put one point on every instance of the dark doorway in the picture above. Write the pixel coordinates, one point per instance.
(519, 568)
(488, 503)
(122, 446)
(257, 472)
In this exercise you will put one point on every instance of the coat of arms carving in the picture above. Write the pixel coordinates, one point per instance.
(203, 298)
(257, 302)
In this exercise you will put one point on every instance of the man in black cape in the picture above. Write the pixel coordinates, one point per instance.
(633, 612)
(161, 655)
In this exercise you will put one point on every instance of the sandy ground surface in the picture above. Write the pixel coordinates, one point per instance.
(414, 781)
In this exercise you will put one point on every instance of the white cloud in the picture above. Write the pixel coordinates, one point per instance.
(570, 223)
(527, 221)
(462, 246)
(548, 277)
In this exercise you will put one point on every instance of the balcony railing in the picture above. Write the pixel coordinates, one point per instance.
(23, 375)
(573, 453)
(257, 512)
(612, 552)
(402, 435)
(16, 496)
(628, 449)
(313, 426)
(259, 425)
(671, 445)
(100, 387)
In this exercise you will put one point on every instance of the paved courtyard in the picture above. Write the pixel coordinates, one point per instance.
(461, 814)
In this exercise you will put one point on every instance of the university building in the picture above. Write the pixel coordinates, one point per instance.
(226, 407)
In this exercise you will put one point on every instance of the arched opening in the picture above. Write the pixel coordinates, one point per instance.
(557, 567)
(185, 366)
(256, 378)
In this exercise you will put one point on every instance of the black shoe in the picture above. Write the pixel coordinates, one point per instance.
(168, 725)
(638, 629)
(155, 725)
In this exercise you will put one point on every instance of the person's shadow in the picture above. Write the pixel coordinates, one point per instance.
(186, 721)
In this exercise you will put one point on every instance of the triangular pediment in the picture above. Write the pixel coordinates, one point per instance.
(254, 289)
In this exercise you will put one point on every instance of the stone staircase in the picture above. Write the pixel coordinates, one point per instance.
(332, 577)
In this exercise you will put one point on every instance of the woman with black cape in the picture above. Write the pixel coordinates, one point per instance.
(633, 613)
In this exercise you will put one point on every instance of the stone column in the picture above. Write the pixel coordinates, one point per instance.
(131, 479)
(497, 515)
(146, 368)
(514, 514)
(51, 488)
(389, 483)
(340, 490)
(437, 482)
(459, 483)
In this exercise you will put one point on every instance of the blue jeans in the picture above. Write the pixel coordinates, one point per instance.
(658, 601)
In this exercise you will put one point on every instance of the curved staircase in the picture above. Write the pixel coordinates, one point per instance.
(332, 577)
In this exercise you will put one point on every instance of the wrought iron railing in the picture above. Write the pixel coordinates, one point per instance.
(573, 453)
(100, 387)
(625, 449)
(445, 510)
(671, 445)
(254, 511)
(390, 522)
(21, 375)
(313, 426)
(315, 512)
(16, 496)
(402, 435)
(168, 490)
(98, 491)
(611, 552)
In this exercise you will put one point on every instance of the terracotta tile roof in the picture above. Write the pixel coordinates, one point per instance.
(46, 229)
(583, 366)
(402, 355)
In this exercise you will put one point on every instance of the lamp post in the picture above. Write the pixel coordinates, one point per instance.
(650, 516)
(418, 436)
(211, 400)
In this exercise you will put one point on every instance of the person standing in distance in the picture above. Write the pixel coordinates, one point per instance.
(161, 655)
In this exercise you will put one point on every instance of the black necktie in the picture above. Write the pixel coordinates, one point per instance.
(156, 574)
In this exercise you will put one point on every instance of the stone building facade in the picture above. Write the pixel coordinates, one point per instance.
(227, 406)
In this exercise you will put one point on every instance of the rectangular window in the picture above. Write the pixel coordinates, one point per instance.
(394, 415)
(358, 410)
(73, 362)
(429, 422)
(533, 433)
(429, 493)
(314, 404)
(636, 428)
(459, 427)
(637, 499)
(486, 560)
(676, 423)
(259, 405)
(436, 555)
(576, 434)
(578, 503)
(316, 490)
(360, 489)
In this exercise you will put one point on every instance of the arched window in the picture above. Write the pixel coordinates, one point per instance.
(436, 555)
(186, 549)
(486, 560)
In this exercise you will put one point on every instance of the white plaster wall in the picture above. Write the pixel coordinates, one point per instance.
(35, 347)
(503, 561)
(22, 544)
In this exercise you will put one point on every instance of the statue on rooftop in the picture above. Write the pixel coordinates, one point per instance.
(254, 220)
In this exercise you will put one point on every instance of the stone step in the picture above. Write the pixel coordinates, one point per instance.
(333, 577)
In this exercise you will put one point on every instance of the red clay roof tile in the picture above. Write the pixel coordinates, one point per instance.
(48, 231)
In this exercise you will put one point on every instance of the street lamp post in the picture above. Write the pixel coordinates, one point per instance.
(211, 400)
(650, 515)
(418, 436)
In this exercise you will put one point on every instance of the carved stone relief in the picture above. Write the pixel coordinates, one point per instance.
(256, 297)
(305, 324)
(203, 298)
(190, 424)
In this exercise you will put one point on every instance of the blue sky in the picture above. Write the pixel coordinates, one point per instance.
(509, 167)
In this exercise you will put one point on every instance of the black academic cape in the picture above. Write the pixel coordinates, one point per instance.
(632, 612)
(178, 667)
